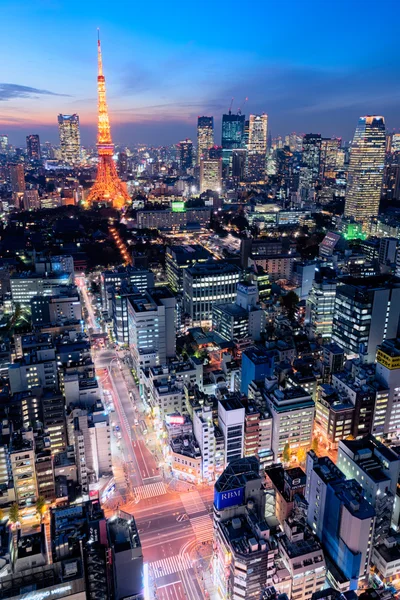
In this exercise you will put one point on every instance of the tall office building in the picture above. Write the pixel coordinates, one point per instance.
(367, 311)
(185, 155)
(33, 147)
(387, 408)
(310, 165)
(329, 160)
(257, 146)
(206, 283)
(122, 164)
(3, 143)
(394, 147)
(211, 175)
(232, 138)
(341, 518)
(367, 159)
(205, 137)
(70, 138)
(232, 131)
(17, 177)
(320, 303)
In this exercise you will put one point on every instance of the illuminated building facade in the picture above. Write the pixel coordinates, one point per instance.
(70, 138)
(107, 187)
(185, 155)
(33, 147)
(367, 159)
(211, 175)
(17, 177)
(367, 311)
(330, 161)
(205, 137)
(232, 137)
(3, 143)
(310, 165)
(257, 146)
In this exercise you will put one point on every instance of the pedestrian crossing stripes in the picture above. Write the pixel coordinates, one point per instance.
(150, 491)
(202, 528)
(169, 565)
(192, 502)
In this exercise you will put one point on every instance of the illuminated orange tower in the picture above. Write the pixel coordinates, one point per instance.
(108, 187)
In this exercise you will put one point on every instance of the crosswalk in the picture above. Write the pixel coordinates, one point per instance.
(169, 565)
(193, 503)
(150, 490)
(202, 528)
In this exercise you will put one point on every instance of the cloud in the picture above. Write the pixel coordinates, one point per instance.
(10, 91)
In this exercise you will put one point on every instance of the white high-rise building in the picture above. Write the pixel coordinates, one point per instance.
(231, 415)
(152, 330)
(211, 175)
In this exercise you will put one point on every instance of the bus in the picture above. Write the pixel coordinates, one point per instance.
(143, 427)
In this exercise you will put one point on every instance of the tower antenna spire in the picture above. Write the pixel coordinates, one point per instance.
(99, 58)
(108, 187)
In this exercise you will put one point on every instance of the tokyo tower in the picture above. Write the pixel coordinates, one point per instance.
(108, 187)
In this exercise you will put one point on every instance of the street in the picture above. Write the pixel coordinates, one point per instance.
(173, 518)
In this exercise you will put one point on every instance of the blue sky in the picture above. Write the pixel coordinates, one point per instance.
(313, 66)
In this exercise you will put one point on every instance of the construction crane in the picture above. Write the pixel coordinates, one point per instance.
(242, 106)
(230, 106)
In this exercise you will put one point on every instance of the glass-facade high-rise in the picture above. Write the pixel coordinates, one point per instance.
(185, 155)
(33, 147)
(205, 137)
(232, 131)
(233, 127)
(310, 165)
(70, 138)
(3, 143)
(257, 146)
(367, 159)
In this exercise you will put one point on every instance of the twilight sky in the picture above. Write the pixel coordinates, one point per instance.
(312, 65)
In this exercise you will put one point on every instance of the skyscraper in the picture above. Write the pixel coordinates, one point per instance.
(185, 155)
(107, 187)
(310, 165)
(33, 147)
(17, 177)
(3, 143)
(367, 159)
(395, 145)
(70, 138)
(232, 138)
(210, 175)
(329, 157)
(205, 136)
(257, 146)
(232, 131)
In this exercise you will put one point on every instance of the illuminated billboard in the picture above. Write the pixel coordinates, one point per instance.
(175, 419)
(178, 207)
(224, 500)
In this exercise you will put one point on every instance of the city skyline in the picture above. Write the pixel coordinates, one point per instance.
(166, 72)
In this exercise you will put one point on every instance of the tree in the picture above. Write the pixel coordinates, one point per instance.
(41, 507)
(289, 302)
(13, 514)
(286, 455)
(301, 455)
(315, 445)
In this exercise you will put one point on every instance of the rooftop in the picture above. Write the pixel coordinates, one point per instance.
(123, 533)
(238, 473)
(218, 267)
